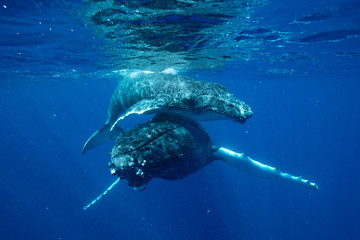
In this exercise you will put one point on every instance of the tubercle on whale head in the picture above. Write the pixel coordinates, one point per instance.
(222, 106)
(126, 167)
(238, 112)
(244, 117)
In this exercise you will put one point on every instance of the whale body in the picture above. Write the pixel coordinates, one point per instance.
(172, 147)
(147, 93)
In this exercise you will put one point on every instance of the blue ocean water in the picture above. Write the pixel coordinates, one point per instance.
(296, 63)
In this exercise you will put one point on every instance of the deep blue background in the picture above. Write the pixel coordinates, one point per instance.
(305, 122)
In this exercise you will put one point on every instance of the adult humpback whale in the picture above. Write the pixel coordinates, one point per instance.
(148, 92)
(172, 147)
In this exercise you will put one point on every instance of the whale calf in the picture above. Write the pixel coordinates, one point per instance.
(148, 92)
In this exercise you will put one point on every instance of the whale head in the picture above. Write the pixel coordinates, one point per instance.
(168, 147)
(208, 107)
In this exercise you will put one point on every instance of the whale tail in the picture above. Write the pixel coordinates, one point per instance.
(104, 134)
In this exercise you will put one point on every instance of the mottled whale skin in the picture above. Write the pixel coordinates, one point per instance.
(147, 92)
(171, 147)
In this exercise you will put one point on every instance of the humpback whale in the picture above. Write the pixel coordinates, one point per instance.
(172, 147)
(147, 92)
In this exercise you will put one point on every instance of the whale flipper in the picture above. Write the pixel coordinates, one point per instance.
(102, 135)
(102, 194)
(248, 165)
(144, 106)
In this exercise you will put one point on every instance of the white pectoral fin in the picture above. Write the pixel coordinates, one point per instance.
(248, 165)
(142, 107)
(102, 194)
